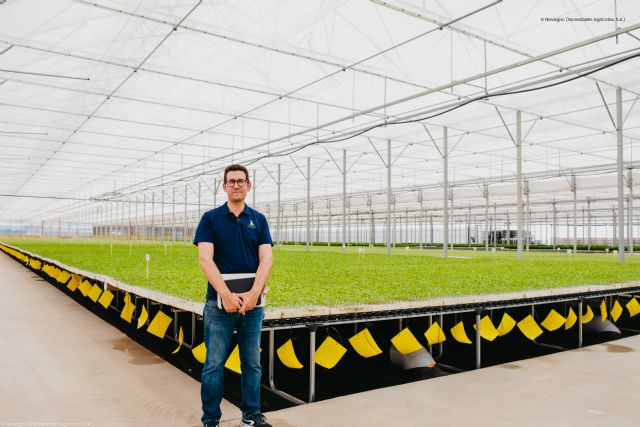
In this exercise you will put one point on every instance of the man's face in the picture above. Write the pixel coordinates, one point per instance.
(235, 192)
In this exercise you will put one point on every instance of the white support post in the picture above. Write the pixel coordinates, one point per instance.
(630, 209)
(519, 180)
(421, 218)
(620, 175)
(445, 197)
(186, 196)
(388, 224)
(173, 214)
(589, 222)
(575, 213)
(308, 204)
(278, 217)
(485, 194)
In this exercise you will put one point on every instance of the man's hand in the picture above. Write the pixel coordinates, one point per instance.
(248, 300)
(231, 302)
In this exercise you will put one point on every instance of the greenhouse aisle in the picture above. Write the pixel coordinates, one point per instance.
(593, 386)
(62, 365)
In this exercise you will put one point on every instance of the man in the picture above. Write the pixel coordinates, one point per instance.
(233, 238)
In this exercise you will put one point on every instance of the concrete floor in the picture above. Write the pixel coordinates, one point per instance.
(592, 386)
(61, 365)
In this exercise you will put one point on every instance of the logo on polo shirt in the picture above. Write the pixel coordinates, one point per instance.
(251, 225)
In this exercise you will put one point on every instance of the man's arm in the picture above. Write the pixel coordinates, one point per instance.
(230, 300)
(249, 299)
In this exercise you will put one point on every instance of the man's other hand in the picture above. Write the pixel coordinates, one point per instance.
(249, 300)
(231, 303)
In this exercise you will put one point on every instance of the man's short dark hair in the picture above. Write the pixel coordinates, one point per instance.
(232, 168)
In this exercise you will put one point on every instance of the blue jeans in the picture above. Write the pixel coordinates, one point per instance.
(218, 331)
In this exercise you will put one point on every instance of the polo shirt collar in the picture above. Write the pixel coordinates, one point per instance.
(226, 210)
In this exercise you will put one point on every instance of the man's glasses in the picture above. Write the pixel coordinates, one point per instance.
(233, 182)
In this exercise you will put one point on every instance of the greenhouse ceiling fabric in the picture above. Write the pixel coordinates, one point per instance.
(105, 101)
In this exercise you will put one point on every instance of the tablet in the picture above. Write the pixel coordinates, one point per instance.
(239, 283)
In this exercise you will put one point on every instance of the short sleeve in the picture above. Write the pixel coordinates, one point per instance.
(265, 234)
(204, 232)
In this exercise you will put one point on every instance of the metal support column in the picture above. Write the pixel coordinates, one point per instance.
(186, 197)
(630, 209)
(555, 224)
(312, 364)
(519, 180)
(589, 222)
(173, 214)
(431, 228)
(528, 228)
(278, 217)
(153, 212)
(620, 176)
(421, 219)
(388, 225)
(308, 204)
(575, 213)
(580, 304)
(344, 200)
(614, 226)
(485, 194)
(478, 342)
(445, 187)
(162, 217)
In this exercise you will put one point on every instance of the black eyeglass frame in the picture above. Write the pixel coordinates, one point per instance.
(240, 182)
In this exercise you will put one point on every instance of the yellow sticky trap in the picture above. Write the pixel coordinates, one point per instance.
(128, 309)
(616, 311)
(180, 341)
(487, 330)
(588, 316)
(233, 362)
(459, 334)
(329, 353)
(94, 293)
(603, 311)
(63, 277)
(142, 319)
(200, 352)
(530, 328)
(633, 307)
(73, 283)
(553, 321)
(506, 324)
(571, 319)
(364, 344)
(105, 299)
(435, 334)
(405, 342)
(85, 287)
(159, 324)
(287, 355)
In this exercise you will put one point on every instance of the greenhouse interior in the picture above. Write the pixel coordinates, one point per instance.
(402, 152)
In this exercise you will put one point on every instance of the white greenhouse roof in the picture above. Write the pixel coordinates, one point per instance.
(114, 100)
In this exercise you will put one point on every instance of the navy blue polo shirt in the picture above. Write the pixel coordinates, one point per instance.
(235, 239)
